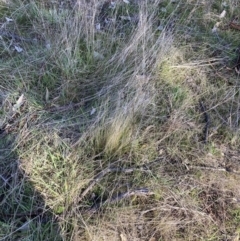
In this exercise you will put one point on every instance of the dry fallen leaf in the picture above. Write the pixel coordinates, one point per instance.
(224, 4)
(25, 226)
(98, 26)
(48, 45)
(125, 18)
(236, 238)
(18, 49)
(8, 19)
(97, 55)
(18, 103)
(152, 239)
(160, 27)
(164, 10)
(215, 28)
(123, 237)
(93, 111)
(223, 14)
(47, 95)
(112, 5)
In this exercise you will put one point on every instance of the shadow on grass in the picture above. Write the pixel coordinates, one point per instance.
(23, 213)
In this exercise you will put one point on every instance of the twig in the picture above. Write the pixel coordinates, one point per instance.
(7, 34)
(213, 169)
(136, 192)
(31, 214)
(65, 107)
(234, 25)
(169, 207)
(206, 168)
(103, 173)
(206, 120)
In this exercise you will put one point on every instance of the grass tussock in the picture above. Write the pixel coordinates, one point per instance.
(119, 121)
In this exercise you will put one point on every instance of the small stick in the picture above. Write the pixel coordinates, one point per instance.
(136, 192)
(103, 173)
(226, 169)
(206, 120)
(234, 26)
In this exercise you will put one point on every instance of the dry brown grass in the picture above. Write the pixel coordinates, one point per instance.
(112, 140)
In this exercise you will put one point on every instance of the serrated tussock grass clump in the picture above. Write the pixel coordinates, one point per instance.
(119, 121)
